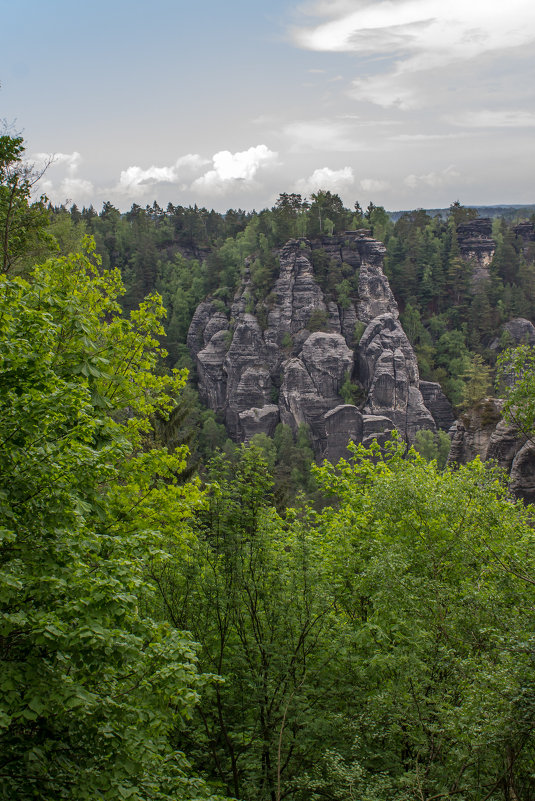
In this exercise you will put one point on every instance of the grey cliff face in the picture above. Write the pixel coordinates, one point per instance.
(389, 373)
(256, 378)
(482, 432)
(438, 404)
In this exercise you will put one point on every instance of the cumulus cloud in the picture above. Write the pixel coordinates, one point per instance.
(61, 182)
(136, 180)
(231, 169)
(413, 37)
(445, 177)
(327, 179)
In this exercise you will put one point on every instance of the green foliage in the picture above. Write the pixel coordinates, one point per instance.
(287, 341)
(516, 383)
(428, 575)
(326, 214)
(351, 393)
(318, 321)
(478, 381)
(360, 328)
(460, 214)
(433, 446)
(91, 688)
(250, 595)
(378, 649)
(22, 224)
(213, 435)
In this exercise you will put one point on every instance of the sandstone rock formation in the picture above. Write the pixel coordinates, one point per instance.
(481, 432)
(521, 331)
(285, 372)
(477, 246)
(526, 232)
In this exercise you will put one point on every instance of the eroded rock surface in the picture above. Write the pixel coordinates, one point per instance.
(521, 331)
(285, 372)
(389, 372)
(477, 246)
(482, 432)
(438, 404)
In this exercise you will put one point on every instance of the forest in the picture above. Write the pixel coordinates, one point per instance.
(185, 618)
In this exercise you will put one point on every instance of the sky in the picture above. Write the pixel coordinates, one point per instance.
(405, 103)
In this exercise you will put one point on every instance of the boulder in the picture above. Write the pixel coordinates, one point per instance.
(375, 295)
(259, 421)
(327, 359)
(343, 424)
(473, 431)
(521, 331)
(211, 372)
(481, 432)
(201, 318)
(299, 400)
(296, 293)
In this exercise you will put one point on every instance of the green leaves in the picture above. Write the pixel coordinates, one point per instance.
(516, 381)
(90, 686)
(428, 572)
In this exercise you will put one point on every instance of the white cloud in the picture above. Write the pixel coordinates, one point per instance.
(136, 180)
(230, 169)
(61, 181)
(445, 177)
(76, 187)
(373, 185)
(70, 160)
(420, 35)
(327, 179)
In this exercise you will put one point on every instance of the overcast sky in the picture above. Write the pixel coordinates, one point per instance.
(227, 103)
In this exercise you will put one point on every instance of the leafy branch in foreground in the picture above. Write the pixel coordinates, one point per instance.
(90, 686)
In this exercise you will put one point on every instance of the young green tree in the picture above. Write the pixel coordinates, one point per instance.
(432, 572)
(253, 596)
(478, 382)
(516, 383)
(22, 223)
(91, 688)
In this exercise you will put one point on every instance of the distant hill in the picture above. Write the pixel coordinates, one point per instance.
(508, 212)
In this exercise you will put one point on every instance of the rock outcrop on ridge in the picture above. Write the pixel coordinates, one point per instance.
(526, 232)
(477, 246)
(288, 371)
